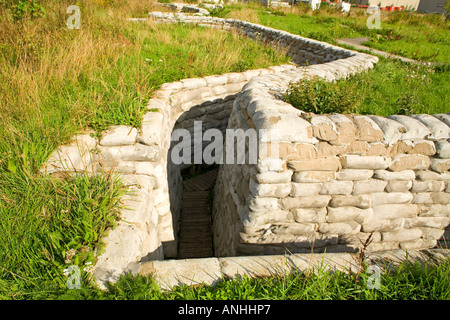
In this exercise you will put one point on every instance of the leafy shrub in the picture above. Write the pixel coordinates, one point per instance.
(319, 96)
(25, 9)
(219, 12)
(407, 104)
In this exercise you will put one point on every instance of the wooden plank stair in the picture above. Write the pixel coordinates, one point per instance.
(195, 239)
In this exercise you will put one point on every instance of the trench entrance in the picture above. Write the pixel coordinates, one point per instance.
(195, 237)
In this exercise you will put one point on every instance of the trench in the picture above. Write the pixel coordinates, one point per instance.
(191, 183)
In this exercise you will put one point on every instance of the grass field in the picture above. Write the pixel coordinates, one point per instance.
(413, 35)
(55, 82)
(409, 281)
(392, 87)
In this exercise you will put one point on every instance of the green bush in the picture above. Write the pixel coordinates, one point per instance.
(319, 96)
(219, 12)
(24, 9)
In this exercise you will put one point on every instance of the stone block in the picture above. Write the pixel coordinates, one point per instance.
(337, 187)
(362, 201)
(193, 83)
(431, 233)
(440, 165)
(341, 214)
(118, 136)
(444, 117)
(349, 227)
(428, 222)
(424, 175)
(347, 131)
(379, 198)
(368, 186)
(398, 175)
(424, 147)
(364, 162)
(323, 128)
(313, 176)
(150, 133)
(319, 201)
(293, 228)
(305, 189)
(427, 186)
(274, 177)
(170, 273)
(304, 151)
(283, 127)
(402, 235)
(443, 149)
(392, 129)
(395, 211)
(276, 149)
(138, 152)
(398, 185)
(265, 218)
(309, 215)
(271, 165)
(415, 130)
(418, 244)
(434, 210)
(357, 148)
(409, 162)
(324, 150)
(440, 197)
(381, 225)
(264, 204)
(377, 149)
(269, 190)
(327, 164)
(368, 130)
(354, 174)
(439, 130)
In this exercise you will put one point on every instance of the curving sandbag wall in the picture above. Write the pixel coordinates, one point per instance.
(327, 182)
(334, 179)
(149, 221)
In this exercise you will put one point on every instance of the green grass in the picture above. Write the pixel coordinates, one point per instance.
(47, 225)
(56, 82)
(392, 87)
(424, 89)
(412, 35)
(408, 281)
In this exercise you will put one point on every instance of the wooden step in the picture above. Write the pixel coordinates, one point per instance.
(203, 181)
(195, 238)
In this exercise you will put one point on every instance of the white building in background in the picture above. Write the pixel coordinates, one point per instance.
(407, 4)
(436, 6)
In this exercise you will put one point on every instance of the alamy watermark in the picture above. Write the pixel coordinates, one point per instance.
(373, 282)
(374, 20)
(237, 147)
(73, 274)
(74, 21)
